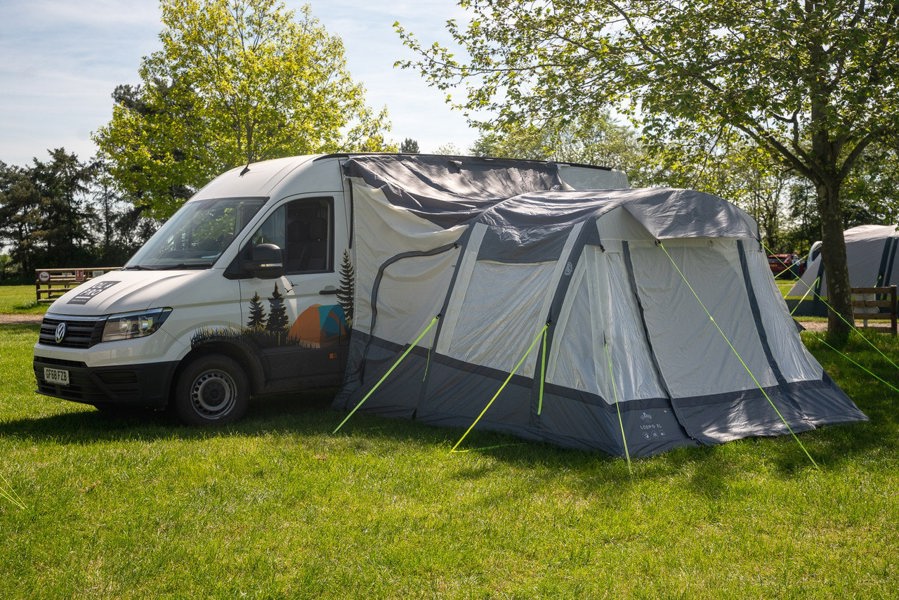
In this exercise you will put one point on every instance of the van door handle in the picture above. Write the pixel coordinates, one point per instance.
(329, 290)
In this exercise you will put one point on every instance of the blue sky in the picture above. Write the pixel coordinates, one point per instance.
(61, 59)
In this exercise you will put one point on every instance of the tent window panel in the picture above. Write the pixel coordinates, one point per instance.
(572, 362)
(694, 357)
(600, 306)
(635, 374)
(411, 293)
(795, 363)
(501, 315)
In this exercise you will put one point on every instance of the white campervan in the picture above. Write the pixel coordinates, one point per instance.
(235, 296)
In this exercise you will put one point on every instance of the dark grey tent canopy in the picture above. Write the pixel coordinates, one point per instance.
(650, 315)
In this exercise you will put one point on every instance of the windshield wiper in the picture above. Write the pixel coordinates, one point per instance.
(174, 267)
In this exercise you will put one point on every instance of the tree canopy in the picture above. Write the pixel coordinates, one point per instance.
(584, 138)
(811, 82)
(62, 212)
(236, 81)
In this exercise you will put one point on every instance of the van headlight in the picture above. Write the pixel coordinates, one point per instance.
(127, 326)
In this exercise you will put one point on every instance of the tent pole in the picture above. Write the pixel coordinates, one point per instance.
(737, 354)
(502, 387)
(389, 371)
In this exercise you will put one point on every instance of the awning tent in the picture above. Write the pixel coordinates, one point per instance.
(650, 314)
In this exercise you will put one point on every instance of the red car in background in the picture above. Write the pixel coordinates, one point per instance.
(778, 263)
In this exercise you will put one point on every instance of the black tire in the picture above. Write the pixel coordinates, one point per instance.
(211, 390)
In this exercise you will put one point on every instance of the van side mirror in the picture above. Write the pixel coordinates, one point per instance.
(267, 262)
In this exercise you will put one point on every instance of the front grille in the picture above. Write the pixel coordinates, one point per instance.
(81, 332)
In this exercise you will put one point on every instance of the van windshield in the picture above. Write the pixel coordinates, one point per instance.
(196, 235)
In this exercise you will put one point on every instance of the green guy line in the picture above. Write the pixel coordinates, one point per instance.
(389, 371)
(804, 296)
(627, 453)
(542, 374)
(821, 339)
(502, 387)
(7, 492)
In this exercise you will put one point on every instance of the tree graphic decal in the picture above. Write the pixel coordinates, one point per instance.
(277, 319)
(257, 318)
(347, 290)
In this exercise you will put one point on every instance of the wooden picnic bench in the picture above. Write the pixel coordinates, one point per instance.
(876, 304)
(50, 284)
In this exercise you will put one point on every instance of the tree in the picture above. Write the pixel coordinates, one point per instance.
(813, 83)
(20, 216)
(346, 293)
(448, 149)
(409, 146)
(872, 190)
(123, 227)
(69, 219)
(236, 81)
(728, 165)
(277, 314)
(256, 322)
(46, 214)
(594, 139)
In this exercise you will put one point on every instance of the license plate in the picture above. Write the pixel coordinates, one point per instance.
(57, 376)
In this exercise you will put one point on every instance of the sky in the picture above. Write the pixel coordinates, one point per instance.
(63, 58)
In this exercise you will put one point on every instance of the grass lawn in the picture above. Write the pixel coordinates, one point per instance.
(19, 299)
(277, 506)
(785, 285)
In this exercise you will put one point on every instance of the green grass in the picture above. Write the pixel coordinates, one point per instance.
(277, 506)
(20, 299)
(784, 285)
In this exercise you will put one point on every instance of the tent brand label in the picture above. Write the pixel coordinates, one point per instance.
(650, 430)
(87, 295)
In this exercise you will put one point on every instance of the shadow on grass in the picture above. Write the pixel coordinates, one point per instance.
(706, 471)
(303, 414)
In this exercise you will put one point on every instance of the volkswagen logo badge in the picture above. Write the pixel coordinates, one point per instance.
(60, 332)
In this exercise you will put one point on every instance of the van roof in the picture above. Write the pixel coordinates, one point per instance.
(254, 179)
(260, 179)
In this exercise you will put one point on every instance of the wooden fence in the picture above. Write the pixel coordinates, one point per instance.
(50, 284)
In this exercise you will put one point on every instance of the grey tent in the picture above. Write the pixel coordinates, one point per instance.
(599, 302)
(871, 257)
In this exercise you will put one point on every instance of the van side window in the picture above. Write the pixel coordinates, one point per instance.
(303, 229)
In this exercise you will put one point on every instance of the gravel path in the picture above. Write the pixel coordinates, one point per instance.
(20, 319)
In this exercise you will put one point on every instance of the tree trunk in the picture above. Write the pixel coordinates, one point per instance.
(836, 269)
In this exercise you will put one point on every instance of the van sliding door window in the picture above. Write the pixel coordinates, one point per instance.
(304, 230)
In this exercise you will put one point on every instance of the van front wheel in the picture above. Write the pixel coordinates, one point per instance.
(211, 390)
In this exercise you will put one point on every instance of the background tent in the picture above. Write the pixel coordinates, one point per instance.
(871, 257)
(610, 290)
